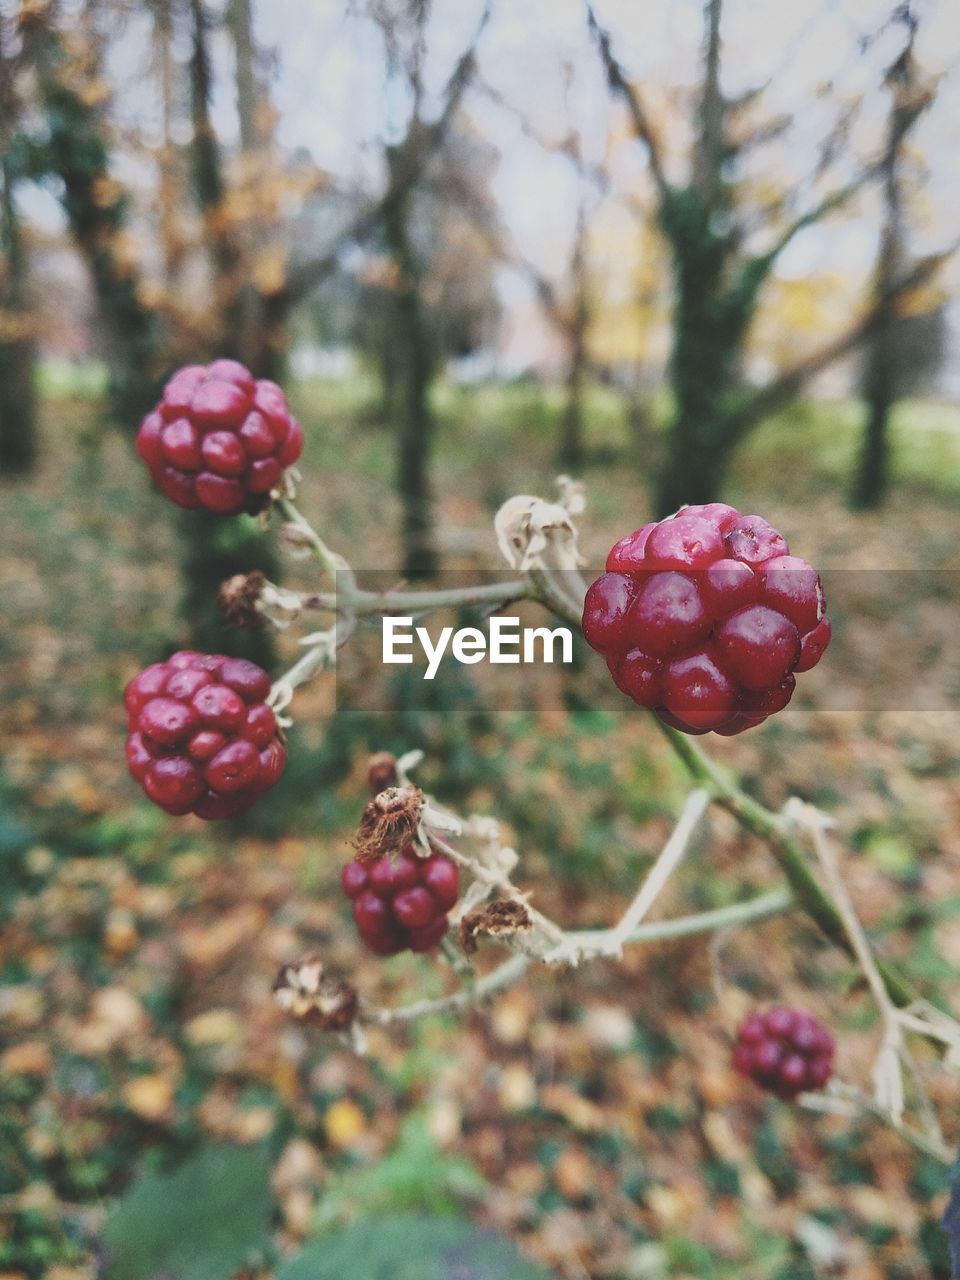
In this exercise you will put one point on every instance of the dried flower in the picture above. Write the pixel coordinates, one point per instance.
(238, 599)
(301, 989)
(532, 533)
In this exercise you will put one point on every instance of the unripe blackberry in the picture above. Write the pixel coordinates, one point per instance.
(785, 1051)
(401, 902)
(202, 739)
(705, 618)
(219, 438)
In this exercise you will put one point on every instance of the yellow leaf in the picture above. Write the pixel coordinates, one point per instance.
(344, 1123)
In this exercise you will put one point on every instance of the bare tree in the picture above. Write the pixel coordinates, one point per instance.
(717, 282)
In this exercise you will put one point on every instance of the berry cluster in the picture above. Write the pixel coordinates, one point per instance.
(219, 439)
(401, 902)
(705, 618)
(785, 1051)
(202, 740)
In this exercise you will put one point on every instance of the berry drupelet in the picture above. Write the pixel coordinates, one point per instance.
(201, 737)
(219, 439)
(706, 618)
(401, 902)
(785, 1051)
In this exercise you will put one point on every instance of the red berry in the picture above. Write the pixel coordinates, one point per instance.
(685, 542)
(245, 678)
(626, 556)
(668, 614)
(758, 646)
(785, 1051)
(414, 908)
(705, 617)
(638, 675)
(698, 692)
(234, 768)
(173, 783)
(167, 722)
(197, 746)
(606, 607)
(353, 878)
(393, 875)
(219, 439)
(752, 540)
(813, 645)
(220, 707)
(401, 902)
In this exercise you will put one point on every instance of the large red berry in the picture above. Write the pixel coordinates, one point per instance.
(785, 1051)
(219, 439)
(401, 902)
(705, 618)
(202, 740)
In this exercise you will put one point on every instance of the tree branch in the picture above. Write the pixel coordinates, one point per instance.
(418, 148)
(621, 86)
(782, 389)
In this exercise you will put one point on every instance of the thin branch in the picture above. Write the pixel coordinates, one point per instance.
(788, 384)
(512, 970)
(428, 139)
(834, 200)
(621, 86)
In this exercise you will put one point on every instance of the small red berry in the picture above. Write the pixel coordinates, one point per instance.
(785, 1051)
(198, 745)
(219, 439)
(705, 617)
(400, 903)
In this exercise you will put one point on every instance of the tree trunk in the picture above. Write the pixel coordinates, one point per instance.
(881, 377)
(704, 367)
(214, 548)
(18, 403)
(415, 359)
(571, 436)
(872, 477)
(79, 157)
(571, 451)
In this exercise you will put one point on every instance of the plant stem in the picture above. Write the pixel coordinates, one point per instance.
(512, 970)
(770, 826)
(366, 602)
(332, 563)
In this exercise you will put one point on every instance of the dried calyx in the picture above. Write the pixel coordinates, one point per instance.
(389, 822)
(504, 918)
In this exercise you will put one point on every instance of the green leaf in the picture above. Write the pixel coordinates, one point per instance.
(200, 1222)
(411, 1248)
(413, 1176)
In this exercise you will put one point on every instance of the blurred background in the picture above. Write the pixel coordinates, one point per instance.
(679, 251)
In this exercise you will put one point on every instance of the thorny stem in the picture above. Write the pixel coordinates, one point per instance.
(511, 971)
(610, 942)
(772, 827)
(846, 1100)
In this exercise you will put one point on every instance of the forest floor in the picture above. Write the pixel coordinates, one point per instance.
(593, 1117)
